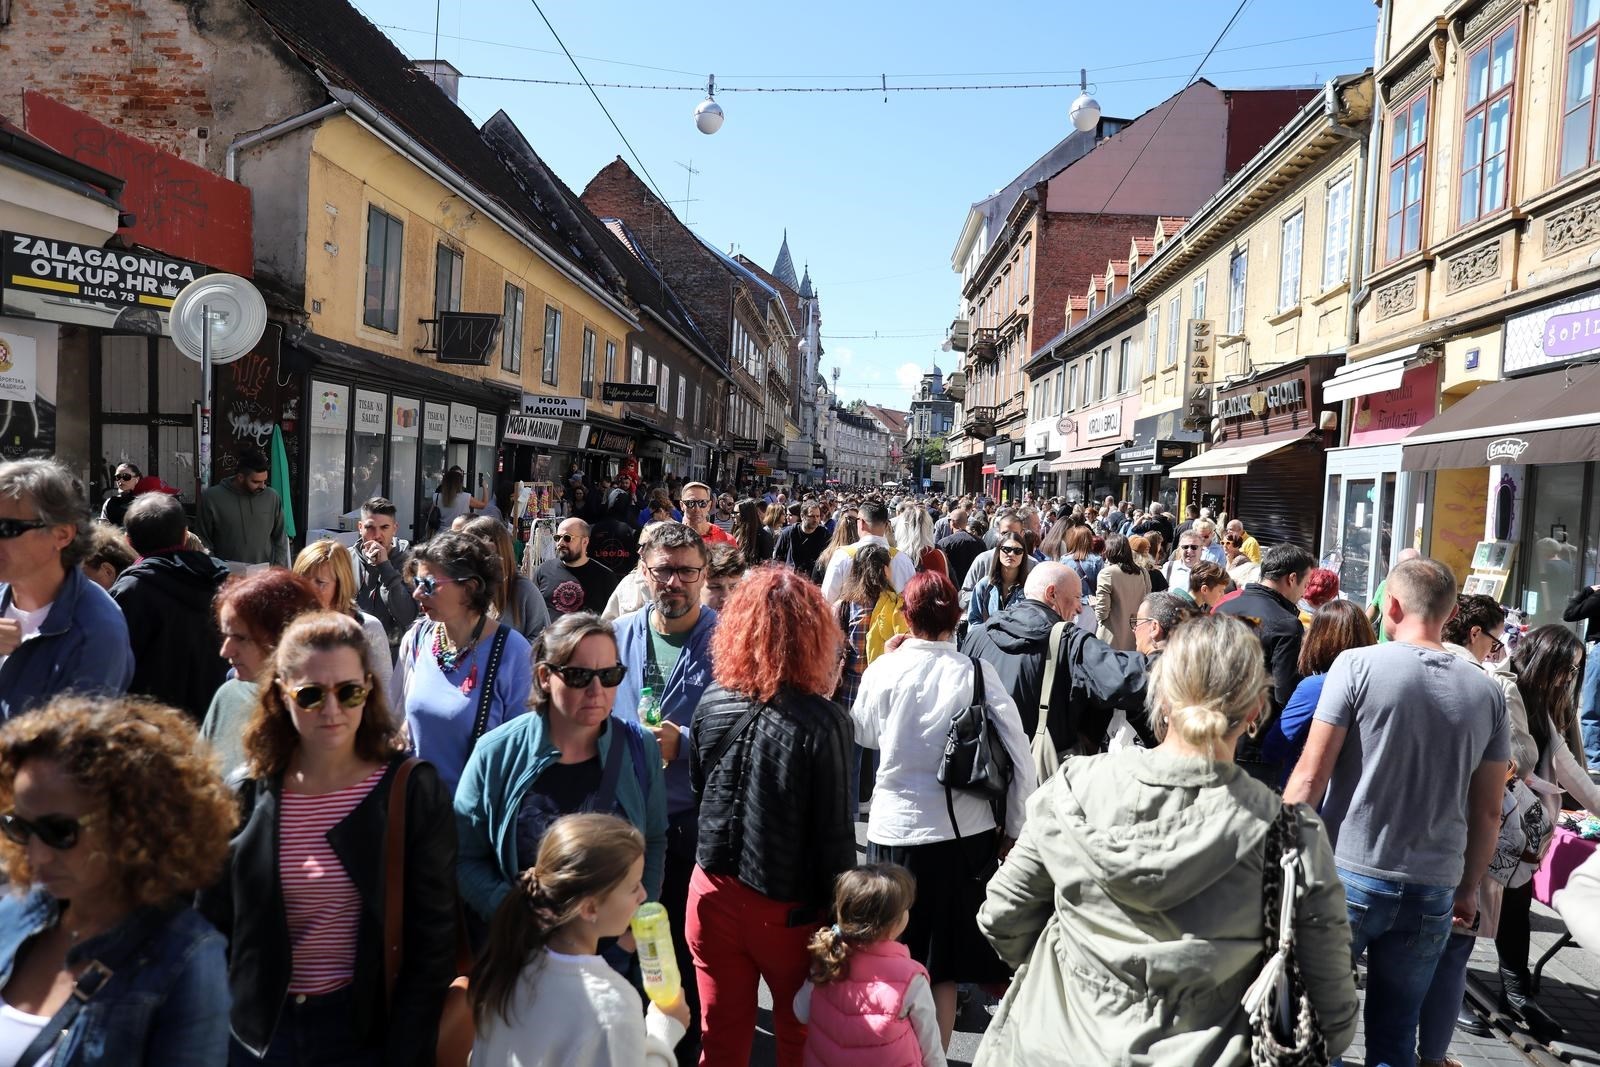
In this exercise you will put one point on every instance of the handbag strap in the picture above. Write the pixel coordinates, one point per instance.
(605, 797)
(1047, 685)
(726, 741)
(977, 701)
(394, 876)
(90, 982)
(480, 722)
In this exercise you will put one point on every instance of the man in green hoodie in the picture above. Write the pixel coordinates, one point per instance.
(241, 519)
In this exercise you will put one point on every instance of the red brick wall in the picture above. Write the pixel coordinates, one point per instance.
(1069, 249)
(1254, 117)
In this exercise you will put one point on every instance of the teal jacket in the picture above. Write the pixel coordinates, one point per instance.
(499, 772)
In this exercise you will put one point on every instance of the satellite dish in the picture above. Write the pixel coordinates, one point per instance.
(237, 315)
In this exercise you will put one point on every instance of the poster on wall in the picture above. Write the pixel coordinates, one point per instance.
(371, 413)
(463, 422)
(330, 406)
(435, 423)
(405, 418)
(486, 424)
(27, 398)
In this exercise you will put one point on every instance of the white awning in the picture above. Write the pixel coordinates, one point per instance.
(1376, 375)
(1220, 462)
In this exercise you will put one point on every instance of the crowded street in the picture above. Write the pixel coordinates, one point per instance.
(463, 602)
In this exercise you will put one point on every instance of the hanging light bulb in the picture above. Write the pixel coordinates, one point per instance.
(708, 116)
(1085, 110)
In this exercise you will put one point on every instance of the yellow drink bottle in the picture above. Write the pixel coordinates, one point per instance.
(657, 959)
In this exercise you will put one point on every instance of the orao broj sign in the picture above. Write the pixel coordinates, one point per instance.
(66, 282)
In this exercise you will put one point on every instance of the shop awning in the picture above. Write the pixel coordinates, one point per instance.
(1220, 462)
(1553, 417)
(952, 465)
(1022, 468)
(1084, 459)
(1377, 375)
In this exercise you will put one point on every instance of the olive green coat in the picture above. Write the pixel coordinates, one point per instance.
(1132, 908)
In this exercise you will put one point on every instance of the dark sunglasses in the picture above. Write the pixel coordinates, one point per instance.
(127, 478)
(697, 503)
(1010, 550)
(59, 832)
(580, 677)
(429, 585)
(348, 694)
(10, 528)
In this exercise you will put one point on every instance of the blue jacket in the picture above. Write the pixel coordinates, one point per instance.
(166, 1006)
(82, 647)
(1285, 739)
(505, 763)
(688, 680)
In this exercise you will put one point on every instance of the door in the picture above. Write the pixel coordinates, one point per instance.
(143, 396)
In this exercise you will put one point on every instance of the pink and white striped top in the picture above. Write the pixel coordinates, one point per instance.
(322, 904)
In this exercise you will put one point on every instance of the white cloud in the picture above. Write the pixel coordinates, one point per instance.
(842, 356)
(910, 374)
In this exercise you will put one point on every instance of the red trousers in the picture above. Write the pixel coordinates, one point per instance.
(738, 937)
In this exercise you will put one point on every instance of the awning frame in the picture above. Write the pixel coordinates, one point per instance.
(1233, 460)
(1377, 375)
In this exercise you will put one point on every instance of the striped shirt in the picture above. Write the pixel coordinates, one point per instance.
(319, 899)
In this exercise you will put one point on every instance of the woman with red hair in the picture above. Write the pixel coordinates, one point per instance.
(769, 760)
(1322, 587)
(950, 840)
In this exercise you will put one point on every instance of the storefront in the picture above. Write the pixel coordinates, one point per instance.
(1267, 460)
(1160, 442)
(998, 452)
(1090, 441)
(374, 426)
(1537, 433)
(1370, 503)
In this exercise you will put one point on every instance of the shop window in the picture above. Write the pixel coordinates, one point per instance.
(329, 442)
(550, 365)
(1238, 268)
(1577, 122)
(404, 431)
(367, 457)
(385, 236)
(1486, 125)
(1290, 233)
(587, 381)
(1336, 232)
(1174, 318)
(1152, 335)
(1553, 565)
(511, 330)
(447, 271)
(1408, 142)
(611, 361)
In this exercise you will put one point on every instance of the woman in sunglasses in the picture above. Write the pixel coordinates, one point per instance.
(326, 565)
(102, 959)
(123, 483)
(460, 672)
(572, 755)
(1002, 586)
(303, 896)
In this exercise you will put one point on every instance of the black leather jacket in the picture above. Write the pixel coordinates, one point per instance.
(246, 905)
(775, 812)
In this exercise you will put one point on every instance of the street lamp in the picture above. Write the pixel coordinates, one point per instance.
(1085, 110)
(708, 116)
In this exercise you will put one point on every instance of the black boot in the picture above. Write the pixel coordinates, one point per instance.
(1467, 1022)
(1516, 1000)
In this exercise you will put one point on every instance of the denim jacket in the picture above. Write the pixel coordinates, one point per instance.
(166, 1003)
(82, 646)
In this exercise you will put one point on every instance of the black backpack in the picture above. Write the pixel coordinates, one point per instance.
(974, 757)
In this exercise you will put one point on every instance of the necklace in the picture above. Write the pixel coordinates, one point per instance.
(448, 655)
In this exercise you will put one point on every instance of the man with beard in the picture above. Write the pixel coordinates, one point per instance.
(241, 519)
(666, 646)
(572, 581)
(800, 545)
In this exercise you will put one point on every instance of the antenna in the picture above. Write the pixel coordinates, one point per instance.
(688, 187)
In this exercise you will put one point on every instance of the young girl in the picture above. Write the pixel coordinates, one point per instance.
(541, 995)
(868, 1001)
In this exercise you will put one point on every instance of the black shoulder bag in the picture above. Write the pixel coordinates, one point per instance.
(974, 757)
(480, 722)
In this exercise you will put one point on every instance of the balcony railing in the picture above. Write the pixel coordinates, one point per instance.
(985, 344)
(978, 422)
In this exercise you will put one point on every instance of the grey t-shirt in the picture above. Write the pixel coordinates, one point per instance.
(1420, 722)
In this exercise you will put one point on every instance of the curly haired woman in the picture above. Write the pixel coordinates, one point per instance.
(104, 961)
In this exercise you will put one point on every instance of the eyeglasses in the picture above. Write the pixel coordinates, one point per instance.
(1188, 548)
(1009, 550)
(59, 832)
(10, 528)
(697, 504)
(683, 574)
(580, 677)
(127, 478)
(429, 585)
(564, 538)
(1497, 647)
(348, 694)
(1137, 621)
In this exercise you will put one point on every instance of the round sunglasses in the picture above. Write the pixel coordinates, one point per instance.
(312, 697)
(59, 832)
(580, 677)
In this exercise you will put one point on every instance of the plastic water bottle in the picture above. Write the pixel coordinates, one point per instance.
(657, 958)
(649, 707)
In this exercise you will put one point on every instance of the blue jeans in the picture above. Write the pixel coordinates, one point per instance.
(1443, 1003)
(1589, 705)
(1403, 929)
(314, 1032)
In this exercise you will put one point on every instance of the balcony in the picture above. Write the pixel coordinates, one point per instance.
(958, 335)
(978, 422)
(985, 344)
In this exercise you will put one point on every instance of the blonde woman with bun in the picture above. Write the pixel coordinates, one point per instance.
(1134, 893)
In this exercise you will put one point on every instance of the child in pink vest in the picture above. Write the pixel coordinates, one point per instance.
(868, 1003)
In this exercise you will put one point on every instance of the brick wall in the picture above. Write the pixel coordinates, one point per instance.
(1070, 248)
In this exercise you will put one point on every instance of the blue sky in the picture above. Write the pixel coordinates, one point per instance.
(873, 194)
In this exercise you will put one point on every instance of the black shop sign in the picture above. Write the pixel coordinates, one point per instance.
(111, 276)
(628, 392)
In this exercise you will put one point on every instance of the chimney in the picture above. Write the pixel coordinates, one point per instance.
(444, 75)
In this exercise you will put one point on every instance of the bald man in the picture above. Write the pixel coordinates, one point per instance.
(1375, 608)
(572, 581)
(1091, 678)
